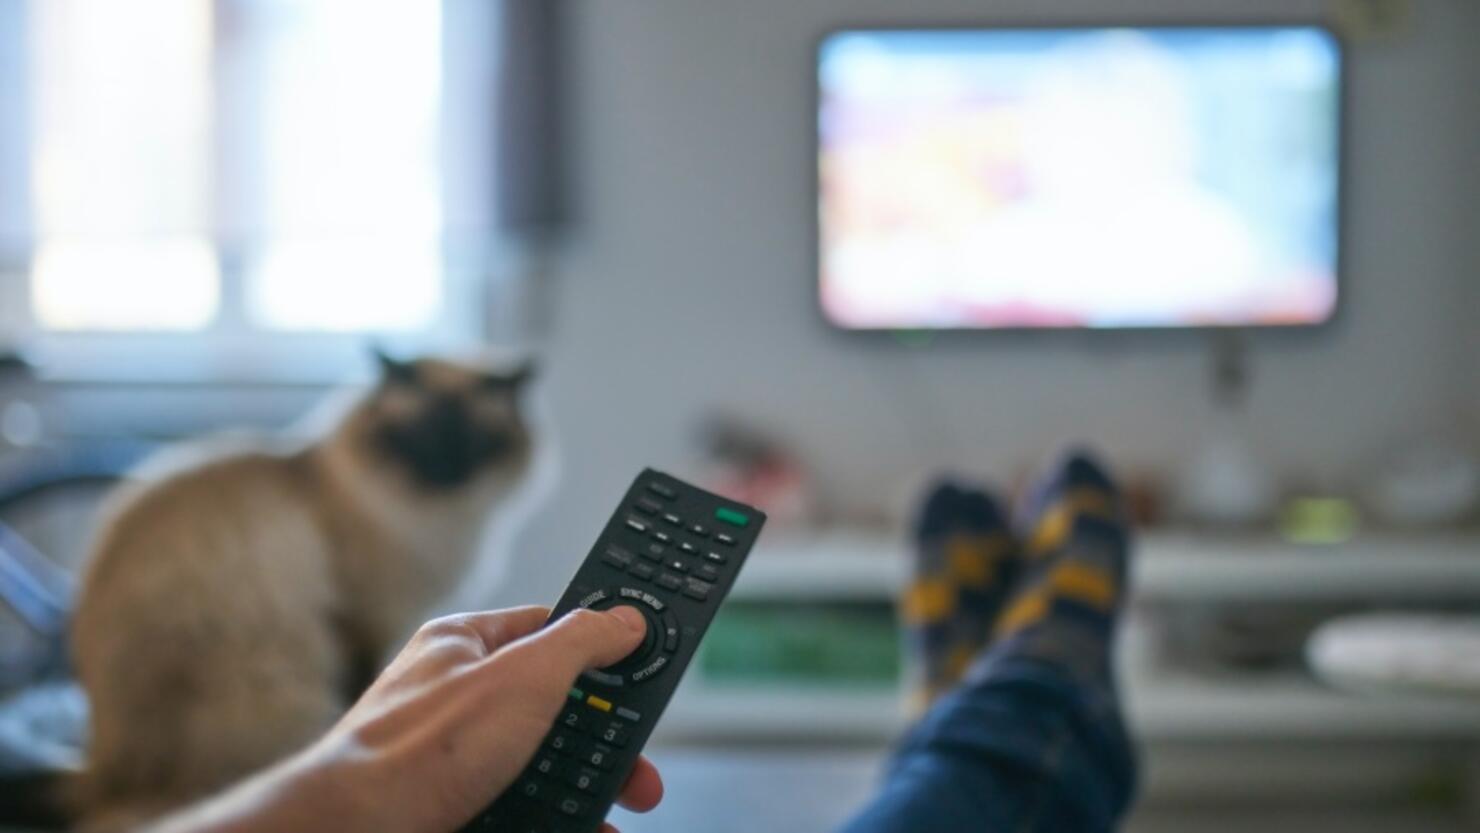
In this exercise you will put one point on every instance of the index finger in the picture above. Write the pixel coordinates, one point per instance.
(498, 628)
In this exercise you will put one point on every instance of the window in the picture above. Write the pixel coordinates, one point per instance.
(243, 187)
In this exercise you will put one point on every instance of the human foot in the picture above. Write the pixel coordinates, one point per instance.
(964, 563)
(1076, 548)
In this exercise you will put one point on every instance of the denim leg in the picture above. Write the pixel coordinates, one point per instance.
(1020, 747)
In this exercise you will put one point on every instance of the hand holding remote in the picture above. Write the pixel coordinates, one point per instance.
(464, 707)
(671, 552)
(455, 717)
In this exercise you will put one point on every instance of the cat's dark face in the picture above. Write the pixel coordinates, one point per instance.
(448, 424)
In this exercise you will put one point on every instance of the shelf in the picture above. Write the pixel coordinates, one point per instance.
(1158, 708)
(1387, 567)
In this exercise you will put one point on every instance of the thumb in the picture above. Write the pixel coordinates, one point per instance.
(584, 639)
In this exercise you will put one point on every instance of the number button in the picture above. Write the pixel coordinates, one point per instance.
(571, 806)
(547, 766)
(563, 743)
(600, 757)
(585, 780)
(614, 735)
(532, 789)
(573, 720)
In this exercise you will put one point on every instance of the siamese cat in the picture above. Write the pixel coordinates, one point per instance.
(231, 611)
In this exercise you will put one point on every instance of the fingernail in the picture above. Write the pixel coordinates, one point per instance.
(630, 617)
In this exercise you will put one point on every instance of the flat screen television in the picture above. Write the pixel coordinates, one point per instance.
(1086, 177)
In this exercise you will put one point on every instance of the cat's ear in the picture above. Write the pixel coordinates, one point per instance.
(512, 380)
(392, 369)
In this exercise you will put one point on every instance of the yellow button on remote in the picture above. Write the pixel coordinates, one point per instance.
(597, 703)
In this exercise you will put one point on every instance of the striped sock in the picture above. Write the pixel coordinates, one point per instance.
(964, 559)
(1068, 597)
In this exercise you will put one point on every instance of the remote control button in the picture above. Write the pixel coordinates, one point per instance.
(670, 637)
(563, 743)
(676, 565)
(643, 596)
(700, 530)
(688, 548)
(672, 519)
(708, 572)
(648, 506)
(636, 525)
(654, 552)
(615, 735)
(652, 668)
(605, 678)
(601, 757)
(660, 489)
(547, 766)
(576, 693)
(574, 720)
(642, 571)
(715, 557)
(669, 581)
(696, 589)
(628, 715)
(662, 537)
(593, 598)
(534, 790)
(732, 517)
(597, 703)
(725, 539)
(616, 556)
(571, 806)
(584, 780)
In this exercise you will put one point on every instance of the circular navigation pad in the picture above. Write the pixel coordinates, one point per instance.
(658, 643)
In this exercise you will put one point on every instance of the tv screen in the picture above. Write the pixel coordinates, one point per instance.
(1161, 177)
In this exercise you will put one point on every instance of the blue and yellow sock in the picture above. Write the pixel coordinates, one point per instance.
(1075, 553)
(964, 560)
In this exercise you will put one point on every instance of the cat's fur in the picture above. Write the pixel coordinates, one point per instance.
(231, 611)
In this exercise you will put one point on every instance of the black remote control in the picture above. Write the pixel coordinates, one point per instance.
(672, 551)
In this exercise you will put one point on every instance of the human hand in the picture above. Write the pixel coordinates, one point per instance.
(463, 708)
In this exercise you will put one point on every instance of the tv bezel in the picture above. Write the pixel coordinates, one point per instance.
(1343, 109)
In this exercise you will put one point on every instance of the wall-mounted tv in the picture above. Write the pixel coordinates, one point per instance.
(1087, 177)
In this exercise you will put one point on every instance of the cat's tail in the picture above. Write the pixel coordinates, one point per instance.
(43, 800)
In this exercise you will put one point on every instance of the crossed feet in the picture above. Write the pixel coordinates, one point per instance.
(1047, 584)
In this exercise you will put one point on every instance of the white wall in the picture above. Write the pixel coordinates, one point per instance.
(689, 288)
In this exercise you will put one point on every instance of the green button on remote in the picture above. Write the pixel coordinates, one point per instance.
(731, 517)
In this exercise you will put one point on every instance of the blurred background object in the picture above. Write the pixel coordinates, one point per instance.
(208, 207)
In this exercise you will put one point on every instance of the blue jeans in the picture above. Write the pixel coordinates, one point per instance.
(1019, 747)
